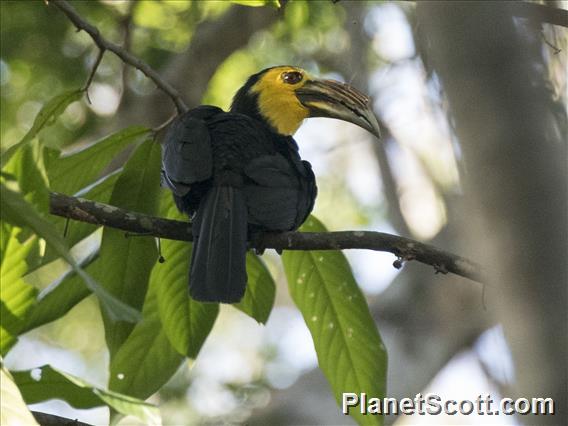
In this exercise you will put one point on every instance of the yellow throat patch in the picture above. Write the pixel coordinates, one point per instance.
(277, 101)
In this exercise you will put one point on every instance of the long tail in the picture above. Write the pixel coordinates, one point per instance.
(218, 262)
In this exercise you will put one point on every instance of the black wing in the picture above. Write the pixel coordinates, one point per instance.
(186, 150)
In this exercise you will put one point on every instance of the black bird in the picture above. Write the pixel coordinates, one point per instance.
(240, 172)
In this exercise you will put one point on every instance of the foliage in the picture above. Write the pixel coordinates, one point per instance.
(151, 325)
(13, 409)
(350, 351)
(46, 382)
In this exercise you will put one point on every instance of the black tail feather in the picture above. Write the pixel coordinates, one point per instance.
(218, 262)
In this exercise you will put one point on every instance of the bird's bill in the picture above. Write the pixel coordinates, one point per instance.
(332, 99)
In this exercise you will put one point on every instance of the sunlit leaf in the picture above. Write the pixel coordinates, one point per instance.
(17, 211)
(261, 290)
(146, 360)
(27, 166)
(46, 116)
(186, 322)
(13, 409)
(45, 383)
(126, 262)
(16, 297)
(349, 348)
(70, 173)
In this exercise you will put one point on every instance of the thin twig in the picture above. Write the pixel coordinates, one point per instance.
(165, 124)
(93, 72)
(123, 54)
(404, 248)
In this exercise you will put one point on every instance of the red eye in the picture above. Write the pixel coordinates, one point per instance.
(292, 77)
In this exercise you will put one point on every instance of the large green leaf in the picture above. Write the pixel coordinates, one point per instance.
(186, 322)
(16, 297)
(349, 349)
(46, 116)
(45, 383)
(13, 409)
(126, 262)
(146, 360)
(19, 212)
(261, 290)
(55, 301)
(68, 174)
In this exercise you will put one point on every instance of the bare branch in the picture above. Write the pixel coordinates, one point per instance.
(93, 72)
(404, 248)
(119, 51)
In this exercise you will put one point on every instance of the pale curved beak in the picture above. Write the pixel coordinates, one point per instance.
(332, 99)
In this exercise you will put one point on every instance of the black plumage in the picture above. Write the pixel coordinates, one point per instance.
(233, 174)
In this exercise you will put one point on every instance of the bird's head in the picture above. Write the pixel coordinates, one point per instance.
(284, 96)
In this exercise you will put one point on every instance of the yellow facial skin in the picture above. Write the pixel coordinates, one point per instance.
(277, 101)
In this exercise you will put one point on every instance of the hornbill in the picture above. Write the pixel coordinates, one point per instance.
(239, 172)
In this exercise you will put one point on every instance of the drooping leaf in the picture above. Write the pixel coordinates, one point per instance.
(126, 262)
(185, 321)
(261, 290)
(46, 116)
(349, 348)
(146, 360)
(45, 383)
(16, 297)
(13, 409)
(17, 211)
(70, 173)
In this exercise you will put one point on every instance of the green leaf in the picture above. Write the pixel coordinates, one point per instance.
(16, 296)
(146, 360)
(44, 383)
(68, 174)
(126, 262)
(77, 231)
(13, 409)
(186, 322)
(46, 116)
(261, 290)
(349, 348)
(20, 213)
(27, 166)
(54, 302)
(258, 3)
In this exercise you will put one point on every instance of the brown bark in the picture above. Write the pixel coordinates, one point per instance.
(512, 139)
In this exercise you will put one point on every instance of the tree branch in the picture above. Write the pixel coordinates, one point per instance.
(404, 248)
(542, 13)
(45, 419)
(122, 53)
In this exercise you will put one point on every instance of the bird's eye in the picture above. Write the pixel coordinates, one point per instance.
(292, 77)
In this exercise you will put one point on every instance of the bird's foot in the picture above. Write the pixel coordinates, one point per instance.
(257, 242)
